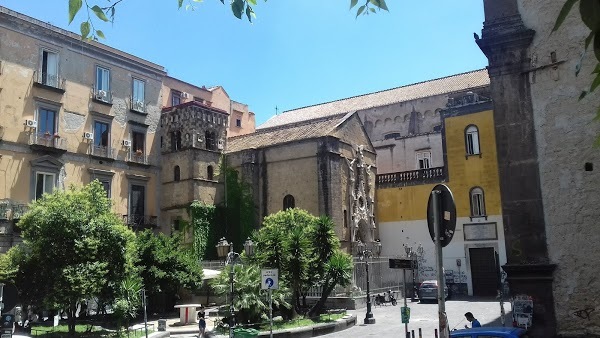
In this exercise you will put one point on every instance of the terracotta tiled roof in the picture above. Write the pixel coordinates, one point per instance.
(445, 85)
(288, 133)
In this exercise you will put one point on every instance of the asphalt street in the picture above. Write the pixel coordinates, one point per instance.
(424, 316)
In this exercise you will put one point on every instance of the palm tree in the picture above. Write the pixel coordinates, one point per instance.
(338, 271)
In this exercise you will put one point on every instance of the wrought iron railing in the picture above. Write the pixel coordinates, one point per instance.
(139, 222)
(413, 177)
(50, 80)
(102, 151)
(138, 106)
(102, 95)
(137, 157)
(48, 140)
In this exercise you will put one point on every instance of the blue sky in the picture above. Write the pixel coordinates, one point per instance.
(295, 53)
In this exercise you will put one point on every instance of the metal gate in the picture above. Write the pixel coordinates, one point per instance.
(483, 271)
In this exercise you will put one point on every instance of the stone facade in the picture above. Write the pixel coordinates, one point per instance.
(545, 137)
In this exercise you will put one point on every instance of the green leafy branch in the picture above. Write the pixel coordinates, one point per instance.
(590, 15)
(369, 6)
(239, 8)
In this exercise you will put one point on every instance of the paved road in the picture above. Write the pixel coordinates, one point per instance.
(424, 316)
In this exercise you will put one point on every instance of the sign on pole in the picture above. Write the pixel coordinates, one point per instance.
(270, 279)
(405, 312)
(445, 213)
(399, 263)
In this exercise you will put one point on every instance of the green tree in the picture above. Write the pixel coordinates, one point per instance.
(338, 271)
(239, 8)
(165, 267)
(69, 248)
(250, 302)
(128, 300)
(283, 242)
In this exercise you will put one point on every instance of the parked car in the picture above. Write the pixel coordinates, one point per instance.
(428, 290)
(490, 332)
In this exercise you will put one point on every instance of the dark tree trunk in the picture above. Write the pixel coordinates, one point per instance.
(320, 305)
(71, 319)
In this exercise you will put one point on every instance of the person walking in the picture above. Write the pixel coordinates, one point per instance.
(472, 319)
(201, 324)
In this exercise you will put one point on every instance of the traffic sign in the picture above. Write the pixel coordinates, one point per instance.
(447, 214)
(405, 313)
(270, 279)
(398, 263)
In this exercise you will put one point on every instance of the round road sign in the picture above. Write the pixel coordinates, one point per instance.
(447, 214)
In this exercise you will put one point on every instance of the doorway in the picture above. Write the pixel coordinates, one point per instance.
(483, 271)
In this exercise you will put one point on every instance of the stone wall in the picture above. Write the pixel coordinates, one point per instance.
(565, 133)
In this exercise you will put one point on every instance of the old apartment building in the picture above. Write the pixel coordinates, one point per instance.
(73, 111)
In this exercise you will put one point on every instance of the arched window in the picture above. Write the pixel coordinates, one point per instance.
(176, 173)
(472, 140)
(477, 202)
(210, 173)
(289, 202)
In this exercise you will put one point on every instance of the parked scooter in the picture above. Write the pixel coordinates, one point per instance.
(387, 297)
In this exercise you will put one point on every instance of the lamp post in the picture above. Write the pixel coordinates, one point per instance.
(364, 254)
(410, 254)
(418, 258)
(231, 258)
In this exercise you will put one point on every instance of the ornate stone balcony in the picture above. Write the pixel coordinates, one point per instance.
(413, 177)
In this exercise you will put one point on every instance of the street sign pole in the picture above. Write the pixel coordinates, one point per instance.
(442, 321)
(271, 311)
(1, 297)
(405, 305)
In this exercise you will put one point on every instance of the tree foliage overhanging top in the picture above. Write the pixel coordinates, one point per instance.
(239, 8)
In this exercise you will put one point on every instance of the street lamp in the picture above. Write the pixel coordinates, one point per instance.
(410, 253)
(365, 255)
(231, 258)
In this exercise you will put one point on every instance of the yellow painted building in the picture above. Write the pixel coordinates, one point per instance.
(471, 173)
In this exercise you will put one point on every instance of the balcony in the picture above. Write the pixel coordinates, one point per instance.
(414, 177)
(141, 222)
(48, 142)
(102, 151)
(102, 96)
(137, 157)
(18, 210)
(49, 81)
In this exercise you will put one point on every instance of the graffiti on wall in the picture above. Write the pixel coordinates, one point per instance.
(584, 313)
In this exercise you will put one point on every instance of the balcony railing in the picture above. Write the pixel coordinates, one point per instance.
(18, 210)
(137, 157)
(138, 106)
(413, 177)
(48, 140)
(102, 151)
(49, 80)
(141, 222)
(103, 96)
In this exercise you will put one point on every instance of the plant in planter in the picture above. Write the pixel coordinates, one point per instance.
(139, 152)
(56, 135)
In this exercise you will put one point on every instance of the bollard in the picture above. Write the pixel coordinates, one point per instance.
(413, 333)
(420, 333)
(407, 334)
(436, 334)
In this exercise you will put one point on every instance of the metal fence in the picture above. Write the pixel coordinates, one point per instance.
(381, 279)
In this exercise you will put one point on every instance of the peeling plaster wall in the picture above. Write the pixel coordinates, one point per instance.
(565, 132)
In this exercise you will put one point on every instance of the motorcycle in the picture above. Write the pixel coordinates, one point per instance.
(387, 297)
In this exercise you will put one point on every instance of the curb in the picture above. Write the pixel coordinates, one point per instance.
(301, 332)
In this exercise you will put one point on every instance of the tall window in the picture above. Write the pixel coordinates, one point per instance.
(424, 160)
(137, 201)
(49, 68)
(102, 82)
(44, 183)
(175, 140)
(101, 133)
(238, 123)
(472, 140)
(176, 173)
(477, 202)
(209, 137)
(137, 94)
(137, 141)
(46, 121)
(210, 173)
(175, 97)
(289, 202)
